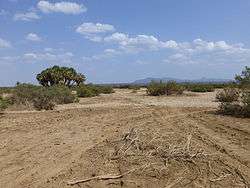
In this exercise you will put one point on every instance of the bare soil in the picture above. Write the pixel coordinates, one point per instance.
(126, 139)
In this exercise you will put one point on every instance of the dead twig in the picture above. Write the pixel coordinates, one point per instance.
(104, 177)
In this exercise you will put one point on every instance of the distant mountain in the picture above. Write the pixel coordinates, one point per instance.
(167, 79)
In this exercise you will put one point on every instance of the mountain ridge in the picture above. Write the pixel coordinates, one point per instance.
(167, 79)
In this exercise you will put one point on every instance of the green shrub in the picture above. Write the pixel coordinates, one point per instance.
(3, 103)
(244, 79)
(5, 90)
(62, 95)
(135, 87)
(246, 103)
(228, 95)
(42, 97)
(91, 90)
(105, 89)
(24, 93)
(169, 88)
(234, 102)
(44, 100)
(202, 88)
(86, 91)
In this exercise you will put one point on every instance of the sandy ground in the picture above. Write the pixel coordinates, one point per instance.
(137, 140)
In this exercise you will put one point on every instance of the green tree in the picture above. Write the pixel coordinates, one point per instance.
(60, 76)
(244, 78)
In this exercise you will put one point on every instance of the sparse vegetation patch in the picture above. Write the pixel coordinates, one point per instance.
(42, 97)
(236, 101)
(169, 88)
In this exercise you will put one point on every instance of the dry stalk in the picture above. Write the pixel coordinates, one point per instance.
(105, 177)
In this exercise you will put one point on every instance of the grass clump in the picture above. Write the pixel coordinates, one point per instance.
(169, 88)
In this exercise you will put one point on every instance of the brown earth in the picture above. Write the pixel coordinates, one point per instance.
(134, 139)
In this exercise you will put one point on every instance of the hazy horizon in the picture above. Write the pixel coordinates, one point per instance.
(123, 41)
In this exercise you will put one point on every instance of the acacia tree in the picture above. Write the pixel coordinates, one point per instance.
(244, 78)
(60, 76)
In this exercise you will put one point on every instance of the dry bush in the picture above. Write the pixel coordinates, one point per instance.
(228, 95)
(234, 102)
(173, 160)
(227, 108)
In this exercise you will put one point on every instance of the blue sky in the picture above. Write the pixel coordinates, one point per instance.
(121, 41)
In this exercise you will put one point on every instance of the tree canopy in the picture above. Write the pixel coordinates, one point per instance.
(57, 75)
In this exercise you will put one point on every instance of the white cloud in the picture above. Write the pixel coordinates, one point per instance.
(94, 38)
(92, 28)
(139, 42)
(94, 31)
(62, 7)
(4, 43)
(28, 16)
(196, 51)
(33, 37)
(209, 52)
(117, 37)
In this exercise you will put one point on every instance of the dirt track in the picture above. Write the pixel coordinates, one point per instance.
(76, 141)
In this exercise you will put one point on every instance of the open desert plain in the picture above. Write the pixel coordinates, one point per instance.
(126, 139)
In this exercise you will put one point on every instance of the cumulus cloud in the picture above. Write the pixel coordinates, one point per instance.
(196, 51)
(139, 42)
(94, 31)
(4, 43)
(33, 37)
(209, 52)
(27, 16)
(62, 7)
(94, 28)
